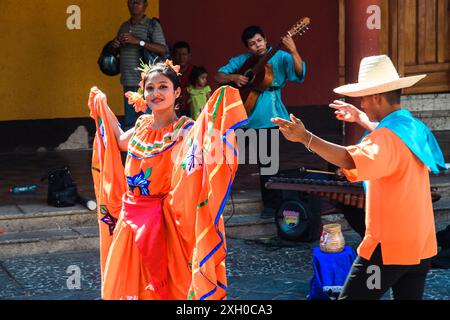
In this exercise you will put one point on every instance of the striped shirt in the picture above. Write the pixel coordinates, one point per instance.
(130, 54)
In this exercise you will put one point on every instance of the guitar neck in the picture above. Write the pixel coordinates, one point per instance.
(299, 28)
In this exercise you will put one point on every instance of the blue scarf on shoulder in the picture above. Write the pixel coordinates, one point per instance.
(417, 137)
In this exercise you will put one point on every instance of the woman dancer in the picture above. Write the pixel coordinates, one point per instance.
(169, 240)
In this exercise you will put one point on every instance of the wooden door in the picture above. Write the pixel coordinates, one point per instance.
(415, 34)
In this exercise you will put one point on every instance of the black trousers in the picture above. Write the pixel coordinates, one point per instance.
(271, 198)
(407, 281)
(356, 218)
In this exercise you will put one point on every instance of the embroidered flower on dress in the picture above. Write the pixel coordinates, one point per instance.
(102, 131)
(110, 221)
(140, 181)
(193, 159)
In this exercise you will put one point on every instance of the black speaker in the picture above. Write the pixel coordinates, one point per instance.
(296, 221)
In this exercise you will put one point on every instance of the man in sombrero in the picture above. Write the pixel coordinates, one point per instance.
(394, 160)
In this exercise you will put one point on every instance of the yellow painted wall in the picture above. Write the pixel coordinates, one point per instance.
(46, 70)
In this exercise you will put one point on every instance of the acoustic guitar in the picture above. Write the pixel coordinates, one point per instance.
(259, 73)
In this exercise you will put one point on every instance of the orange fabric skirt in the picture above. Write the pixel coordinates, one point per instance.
(136, 267)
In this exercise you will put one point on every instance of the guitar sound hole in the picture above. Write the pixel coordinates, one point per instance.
(250, 75)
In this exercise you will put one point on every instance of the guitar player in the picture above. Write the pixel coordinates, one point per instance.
(286, 66)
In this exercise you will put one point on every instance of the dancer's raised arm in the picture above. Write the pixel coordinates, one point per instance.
(122, 137)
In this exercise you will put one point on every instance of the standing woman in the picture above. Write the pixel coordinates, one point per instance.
(169, 240)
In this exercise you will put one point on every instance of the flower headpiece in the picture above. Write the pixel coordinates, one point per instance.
(137, 98)
(175, 68)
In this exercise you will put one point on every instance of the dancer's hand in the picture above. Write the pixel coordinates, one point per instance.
(293, 130)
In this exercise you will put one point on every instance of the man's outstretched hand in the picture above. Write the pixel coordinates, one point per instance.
(349, 113)
(293, 130)
(345, 111)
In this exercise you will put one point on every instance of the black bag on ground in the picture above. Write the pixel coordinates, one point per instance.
(62, 191)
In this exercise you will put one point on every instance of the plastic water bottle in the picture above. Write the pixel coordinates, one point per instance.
(90, 204)
(23, 189)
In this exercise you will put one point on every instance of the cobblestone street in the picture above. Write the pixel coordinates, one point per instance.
(264, 269)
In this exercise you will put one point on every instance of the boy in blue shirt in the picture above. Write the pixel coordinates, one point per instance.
(287, 66)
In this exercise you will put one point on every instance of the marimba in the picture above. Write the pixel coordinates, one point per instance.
(347, 193)
(343, 192)
(307, 205)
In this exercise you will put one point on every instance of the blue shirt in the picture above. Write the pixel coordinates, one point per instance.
(269, 103)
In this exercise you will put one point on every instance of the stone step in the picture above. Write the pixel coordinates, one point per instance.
(36, 229)
(442, 182)
(242, 226)
(40, 229)
(14, 218)
(442, 210)
(243, 202)
(249, 226)
(24, 243)
(29, 217)
(41, 216)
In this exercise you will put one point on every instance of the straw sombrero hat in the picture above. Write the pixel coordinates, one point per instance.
(377, 74)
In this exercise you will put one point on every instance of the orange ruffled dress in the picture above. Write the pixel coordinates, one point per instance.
(169, 240)
(107, 173)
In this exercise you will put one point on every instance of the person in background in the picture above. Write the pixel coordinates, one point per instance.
(287, 67)
(181, 55)
(135, 35)
(199, 91)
